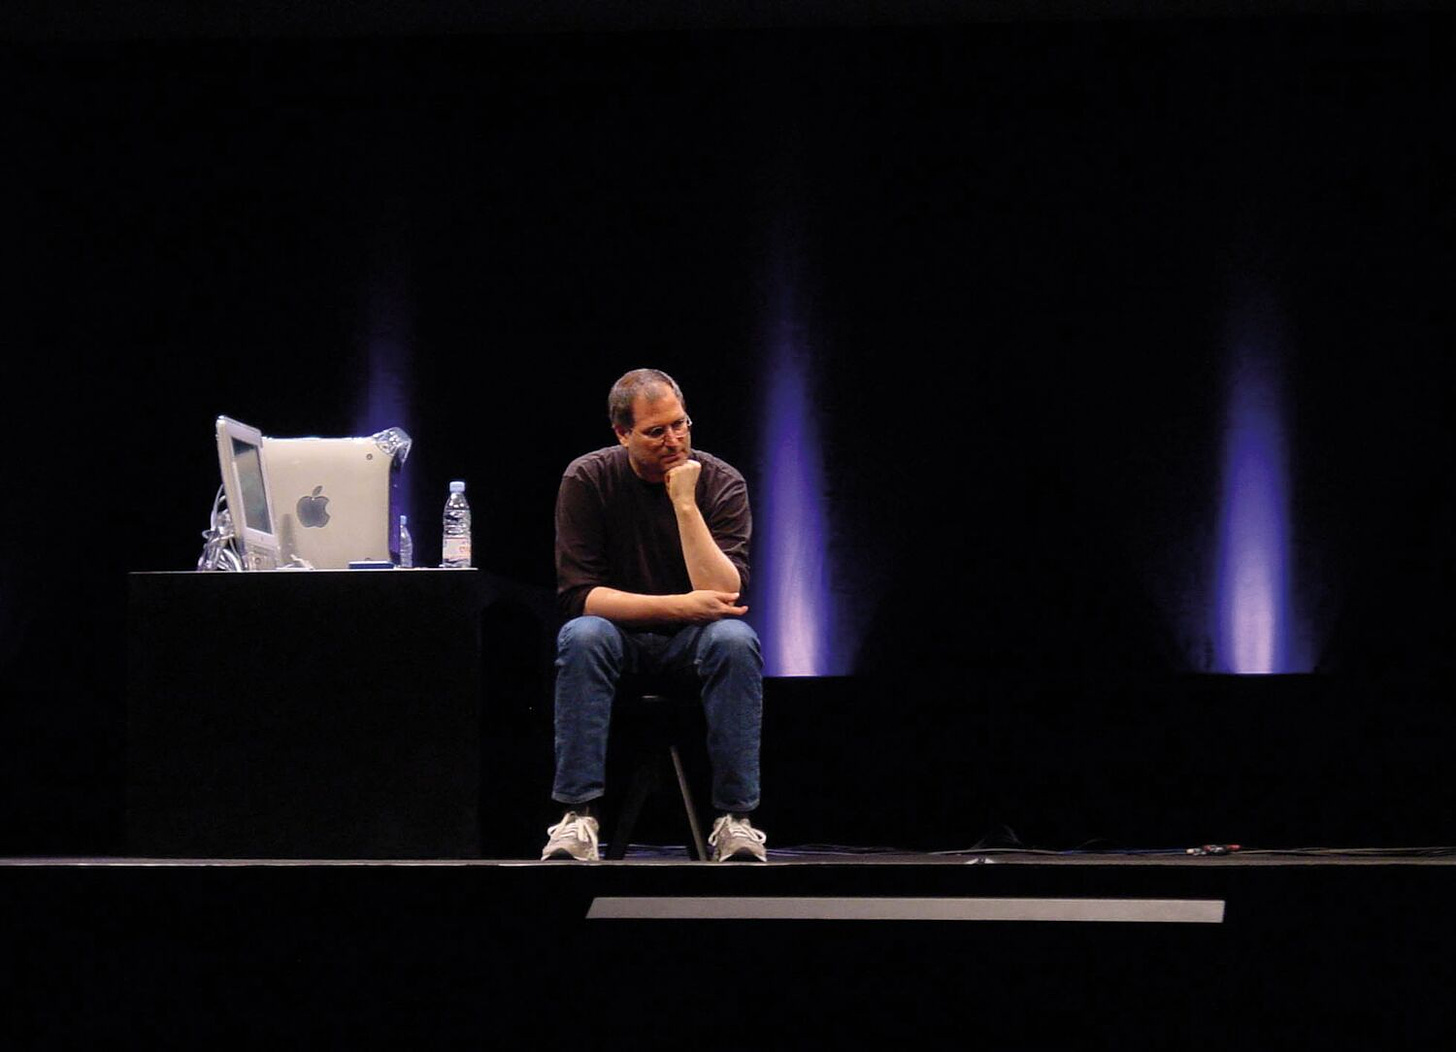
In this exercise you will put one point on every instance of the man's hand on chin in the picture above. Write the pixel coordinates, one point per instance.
(682, 482)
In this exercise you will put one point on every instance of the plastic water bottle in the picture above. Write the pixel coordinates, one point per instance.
(455, 545)
(406, 544)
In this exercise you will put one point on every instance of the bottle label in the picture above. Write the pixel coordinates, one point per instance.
(456, 550)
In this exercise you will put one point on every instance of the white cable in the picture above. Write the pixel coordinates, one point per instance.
(219, 549)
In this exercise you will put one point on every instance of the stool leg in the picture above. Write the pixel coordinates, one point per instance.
(700, 850)
(644, 781)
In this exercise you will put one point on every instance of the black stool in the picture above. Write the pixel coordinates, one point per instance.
(662, 734)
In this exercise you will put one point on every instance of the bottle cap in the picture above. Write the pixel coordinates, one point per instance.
(457, 487)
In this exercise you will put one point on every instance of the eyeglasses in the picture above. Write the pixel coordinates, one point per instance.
(678, 428)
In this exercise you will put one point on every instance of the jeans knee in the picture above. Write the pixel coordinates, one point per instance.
(731, 638)
(589, 634)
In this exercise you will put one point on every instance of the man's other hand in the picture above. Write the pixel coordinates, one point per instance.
(704, 606)
(682, 483)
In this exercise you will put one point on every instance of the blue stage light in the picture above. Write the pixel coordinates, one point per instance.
(387, 396)
(792, 607)
(1253, 614)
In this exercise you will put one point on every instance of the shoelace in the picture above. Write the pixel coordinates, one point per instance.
(735, 827)
(575, 825)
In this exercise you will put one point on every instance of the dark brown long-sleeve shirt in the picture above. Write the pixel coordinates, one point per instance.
(616, 531)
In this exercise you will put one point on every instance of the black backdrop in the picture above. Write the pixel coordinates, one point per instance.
(1014, 256)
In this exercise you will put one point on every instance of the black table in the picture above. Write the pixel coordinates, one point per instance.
(306, 714)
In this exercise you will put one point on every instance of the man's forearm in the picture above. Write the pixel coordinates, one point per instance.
(632, 607)
(707, 566)
(699, 606)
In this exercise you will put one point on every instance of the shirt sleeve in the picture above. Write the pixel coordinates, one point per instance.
(581, 555)
(731, 523)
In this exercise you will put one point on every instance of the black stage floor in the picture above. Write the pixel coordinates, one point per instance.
(639, 855)
(819, 945)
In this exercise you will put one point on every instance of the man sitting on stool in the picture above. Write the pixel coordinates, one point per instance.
(651, 557)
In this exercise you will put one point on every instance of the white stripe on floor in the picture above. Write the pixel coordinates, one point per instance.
(1157, 911)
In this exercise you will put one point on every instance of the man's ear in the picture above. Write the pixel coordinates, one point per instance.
(622, 433)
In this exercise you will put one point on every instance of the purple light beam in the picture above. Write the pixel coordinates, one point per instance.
(1253, 617)
(796, 601)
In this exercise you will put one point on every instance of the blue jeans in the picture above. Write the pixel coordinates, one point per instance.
(592, 655)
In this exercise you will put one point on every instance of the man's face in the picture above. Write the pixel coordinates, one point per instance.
(652, 458)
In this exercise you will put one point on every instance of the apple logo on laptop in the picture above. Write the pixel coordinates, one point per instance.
(314, 510)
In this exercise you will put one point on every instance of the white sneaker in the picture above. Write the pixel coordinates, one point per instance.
(575, 836)
(735, 840)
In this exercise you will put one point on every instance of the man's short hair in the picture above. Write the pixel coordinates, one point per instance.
(645, 382)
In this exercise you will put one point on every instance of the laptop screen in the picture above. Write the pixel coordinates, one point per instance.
(249, 464)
